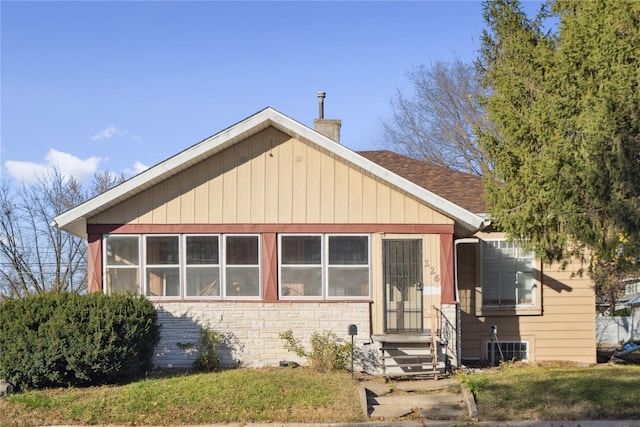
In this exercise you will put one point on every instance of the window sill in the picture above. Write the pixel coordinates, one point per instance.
(326, 299)
(203, 299)
(509, 311)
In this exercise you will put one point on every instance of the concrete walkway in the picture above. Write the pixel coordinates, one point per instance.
(445, 399)
(440, 403)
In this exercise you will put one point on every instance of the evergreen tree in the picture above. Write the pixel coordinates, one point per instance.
(565, 104)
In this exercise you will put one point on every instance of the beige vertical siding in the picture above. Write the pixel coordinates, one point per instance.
(187, 198)
(271, 178)
(563, 330)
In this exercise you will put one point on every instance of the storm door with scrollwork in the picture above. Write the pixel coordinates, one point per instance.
(402, 269)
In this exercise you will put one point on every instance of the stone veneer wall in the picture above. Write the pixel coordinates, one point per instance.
(253, 329)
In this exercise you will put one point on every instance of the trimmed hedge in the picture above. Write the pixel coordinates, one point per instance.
(67, 339)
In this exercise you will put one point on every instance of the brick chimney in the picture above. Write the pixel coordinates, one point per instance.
(327, 127)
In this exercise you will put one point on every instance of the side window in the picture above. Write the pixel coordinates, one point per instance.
(508, 274)
(122, 264)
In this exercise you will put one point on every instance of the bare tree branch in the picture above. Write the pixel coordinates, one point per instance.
(34, 256)
(437, 122)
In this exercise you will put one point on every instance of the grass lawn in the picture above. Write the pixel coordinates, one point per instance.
(557, 392)
(243, 395)
(514, 392)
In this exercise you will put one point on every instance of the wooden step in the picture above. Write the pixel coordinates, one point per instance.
(410, 355)
(411, 365)
(427, 357)
(431, 374)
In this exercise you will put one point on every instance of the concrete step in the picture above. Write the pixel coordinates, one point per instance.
(444, 384)
(428, 399)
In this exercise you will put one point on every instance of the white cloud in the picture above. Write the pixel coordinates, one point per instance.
(140, 167)
(107, 133)
(26, 172)
(137, 168)
(81, 169)
(70, 165)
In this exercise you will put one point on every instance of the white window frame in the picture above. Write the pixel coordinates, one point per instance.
(179, 264)
(324, 239)
(224, 266)
(534, 284)
(348, 266)
(507, 343)
(142, 266)
(281, 295)
(186, 267)
(106, 265)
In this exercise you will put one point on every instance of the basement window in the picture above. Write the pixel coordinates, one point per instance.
(506, 351)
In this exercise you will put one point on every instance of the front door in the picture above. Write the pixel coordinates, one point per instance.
(402, 269)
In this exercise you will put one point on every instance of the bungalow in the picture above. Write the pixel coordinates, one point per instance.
(270, 225)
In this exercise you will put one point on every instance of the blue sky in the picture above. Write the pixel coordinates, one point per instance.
(121, 86)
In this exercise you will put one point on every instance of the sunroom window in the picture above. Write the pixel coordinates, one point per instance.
(183, 266)
(301, 266)
(348, 268)
(122, 261)
(202, 266)
(508, 274)
(242, 266)
(163, 266)
(324, 266)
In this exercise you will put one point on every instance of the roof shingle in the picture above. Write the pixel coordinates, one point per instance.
(463, 189)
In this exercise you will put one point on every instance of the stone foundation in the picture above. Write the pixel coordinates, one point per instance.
(252, 329)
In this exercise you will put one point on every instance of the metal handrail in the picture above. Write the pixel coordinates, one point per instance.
(446, 331)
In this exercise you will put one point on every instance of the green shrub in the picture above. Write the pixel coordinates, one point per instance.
(623, 312)
(328, 352)
(474, 383)
(67, 339)
(208, 359)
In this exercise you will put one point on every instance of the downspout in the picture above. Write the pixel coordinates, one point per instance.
(457, 295)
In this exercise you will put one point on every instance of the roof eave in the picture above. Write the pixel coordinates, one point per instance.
(74, 220)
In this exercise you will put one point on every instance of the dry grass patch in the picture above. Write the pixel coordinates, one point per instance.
(557, 392)
(241, 396)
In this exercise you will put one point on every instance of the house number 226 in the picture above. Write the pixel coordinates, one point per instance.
(432, 271)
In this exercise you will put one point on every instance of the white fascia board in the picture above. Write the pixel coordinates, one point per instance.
(74, 220)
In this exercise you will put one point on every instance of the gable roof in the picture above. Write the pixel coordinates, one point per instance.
(463, 189)
(75, 220)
